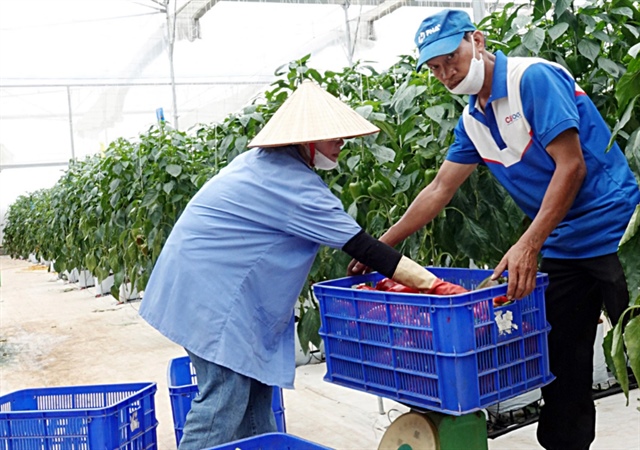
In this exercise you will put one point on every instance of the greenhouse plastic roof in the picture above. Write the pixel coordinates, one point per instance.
(77, 74)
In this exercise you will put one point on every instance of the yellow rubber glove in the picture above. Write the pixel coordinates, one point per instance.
(412, 274)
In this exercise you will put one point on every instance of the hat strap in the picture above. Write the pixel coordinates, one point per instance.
(312, 153)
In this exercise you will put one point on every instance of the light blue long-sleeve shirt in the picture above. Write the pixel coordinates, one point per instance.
(228, 278)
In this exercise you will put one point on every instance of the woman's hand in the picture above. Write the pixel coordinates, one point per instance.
(357, 268)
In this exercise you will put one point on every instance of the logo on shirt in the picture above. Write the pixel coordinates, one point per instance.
(424, 34)
(512, 118)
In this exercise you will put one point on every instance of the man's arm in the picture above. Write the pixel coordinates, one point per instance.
(431, 200)
(522, 259)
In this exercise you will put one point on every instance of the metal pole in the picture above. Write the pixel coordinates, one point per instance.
(345, 6)
(171, 32)
(479, 10)
(73, 150)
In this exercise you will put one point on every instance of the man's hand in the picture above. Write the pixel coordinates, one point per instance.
(522, 262)
(522, 259)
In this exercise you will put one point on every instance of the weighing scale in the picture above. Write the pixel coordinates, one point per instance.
(430, 430)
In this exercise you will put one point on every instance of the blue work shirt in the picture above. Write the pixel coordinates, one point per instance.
(532, 101)
(227, 280)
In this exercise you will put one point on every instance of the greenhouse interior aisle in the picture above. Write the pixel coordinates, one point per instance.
(52, 333)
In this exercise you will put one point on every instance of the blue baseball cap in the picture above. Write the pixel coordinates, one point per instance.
(441, 34)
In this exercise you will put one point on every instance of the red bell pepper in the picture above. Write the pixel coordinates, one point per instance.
(402, 288)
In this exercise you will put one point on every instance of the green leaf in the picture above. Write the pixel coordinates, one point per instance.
(608, 66)
(174, 170)
(352, 210)
(606, 346)
(629, 85)
(308, 327)
(632, 151)
(602, 36)
(149, 198)
(590, 22)
(632, 227)
(245, 119)
(241, 143)
(383, 154)
(589, 49)
(633, 51)
(520, 22)
(630, 260)
(435, 113)
(631, 337)
(353, 161)
(622, 122)
(472, 237)
(115, 292)
(404, 98)
(118, 278)
(619, 360)
(124, 236)
(114, 185)
(113, 201)
(424, 142)
(404, 182)
(168, 187)
(623, 11)
(90, 262)
(557, 30)
(533, 39)
(365, 111)
(561, 6)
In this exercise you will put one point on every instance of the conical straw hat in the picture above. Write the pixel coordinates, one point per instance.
(311, 114)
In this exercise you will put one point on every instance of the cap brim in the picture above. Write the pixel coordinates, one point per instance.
(440, 47)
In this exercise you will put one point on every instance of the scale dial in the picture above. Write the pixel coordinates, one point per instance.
(410, 431)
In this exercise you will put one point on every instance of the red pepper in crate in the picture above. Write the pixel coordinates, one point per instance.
(385, 284)
(365, 287)
(441, 287)
(402, 288)
(500, 300)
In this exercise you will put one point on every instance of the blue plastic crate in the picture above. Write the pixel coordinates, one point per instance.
(183, 387)
(271, 441)
(453, 354)
(120, 416)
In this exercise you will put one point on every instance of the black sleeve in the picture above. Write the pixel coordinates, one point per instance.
(375, 254)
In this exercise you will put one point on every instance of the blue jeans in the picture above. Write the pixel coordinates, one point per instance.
(228, 407)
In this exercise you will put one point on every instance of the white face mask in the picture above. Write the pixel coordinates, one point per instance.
(472, 83)
(320, 161)
(323, 163)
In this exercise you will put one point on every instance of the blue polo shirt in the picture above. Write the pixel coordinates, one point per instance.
(228, 277)
(532, 101)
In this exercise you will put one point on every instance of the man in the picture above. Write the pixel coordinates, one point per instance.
(227, 280)
(545, 141)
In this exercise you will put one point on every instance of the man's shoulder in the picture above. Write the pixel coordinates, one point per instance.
(535, 67)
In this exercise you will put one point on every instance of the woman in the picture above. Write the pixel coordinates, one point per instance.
(227, 280)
